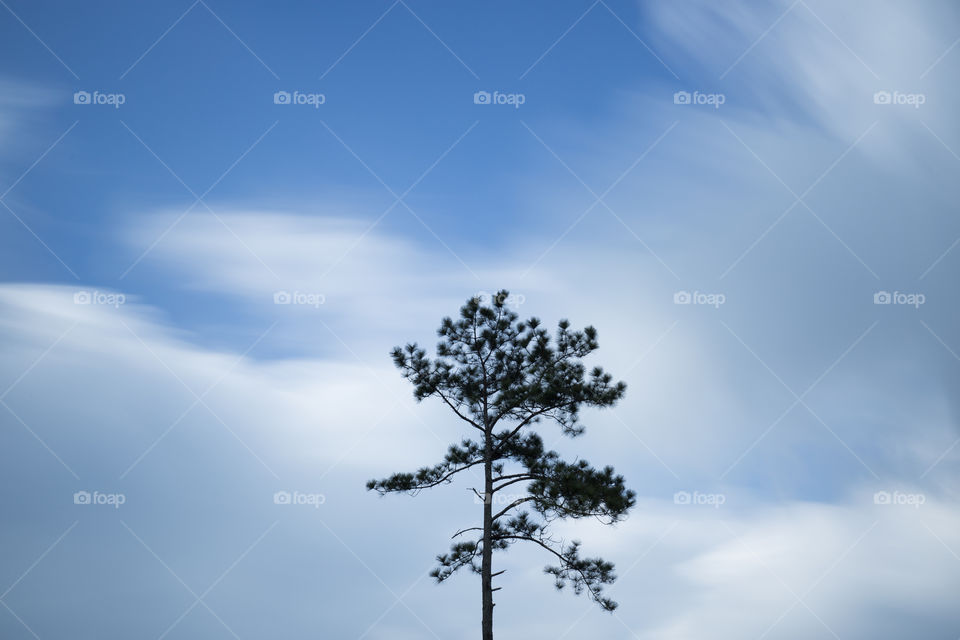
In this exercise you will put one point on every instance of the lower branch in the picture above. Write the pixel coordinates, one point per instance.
(583, 573)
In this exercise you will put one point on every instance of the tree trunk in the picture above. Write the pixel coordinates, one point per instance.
(486, 566)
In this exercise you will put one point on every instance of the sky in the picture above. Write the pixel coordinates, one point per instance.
(219, 217)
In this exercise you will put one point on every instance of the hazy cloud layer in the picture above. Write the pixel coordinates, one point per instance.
(791, 431)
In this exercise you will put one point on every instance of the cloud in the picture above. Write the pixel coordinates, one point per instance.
(814, 62)
(381, 289)
(103, 395)
(312, 422)
(351, 269)
(803, 570)
(23, 107)
(198, 441)
(121, 357)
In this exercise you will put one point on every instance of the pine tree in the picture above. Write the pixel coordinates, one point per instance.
(501, 377)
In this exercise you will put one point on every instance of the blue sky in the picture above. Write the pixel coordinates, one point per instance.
(804, 200)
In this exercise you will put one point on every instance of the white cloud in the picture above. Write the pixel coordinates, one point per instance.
(816, 61)
(803, 570)
(124, 360)
(21, 107)
(697, 400)
(302, 415)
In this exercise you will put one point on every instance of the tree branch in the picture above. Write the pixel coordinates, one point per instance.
(405, 484)
(457, 411)
(523, 423)
(515, 503)
(584, 579)
(517, 477)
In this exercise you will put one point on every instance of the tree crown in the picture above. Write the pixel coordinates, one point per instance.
(500, 376)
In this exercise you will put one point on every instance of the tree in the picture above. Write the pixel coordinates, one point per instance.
(501, 377)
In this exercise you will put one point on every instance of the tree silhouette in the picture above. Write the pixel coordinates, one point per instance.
(501, 377)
